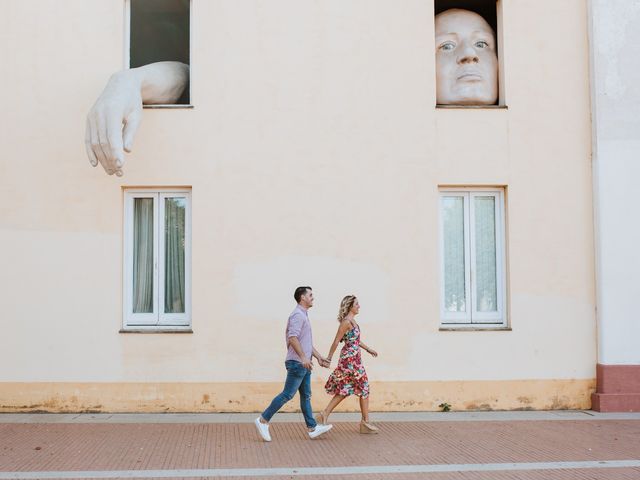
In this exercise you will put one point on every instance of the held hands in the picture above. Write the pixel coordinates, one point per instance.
(322, 361)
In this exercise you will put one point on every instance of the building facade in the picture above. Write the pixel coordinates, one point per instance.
(311, 152)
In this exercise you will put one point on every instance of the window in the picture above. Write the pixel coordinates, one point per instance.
(158, 31)
(486, 8)
(469, 54)
(472, 256)
(157, 259)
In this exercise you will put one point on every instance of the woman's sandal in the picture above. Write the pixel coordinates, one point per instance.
(366, 427)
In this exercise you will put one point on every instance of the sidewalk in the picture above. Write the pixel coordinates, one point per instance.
(444, 446)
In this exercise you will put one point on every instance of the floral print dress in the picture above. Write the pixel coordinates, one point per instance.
(349, 377)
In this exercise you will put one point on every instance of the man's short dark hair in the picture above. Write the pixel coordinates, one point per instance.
(299, 292)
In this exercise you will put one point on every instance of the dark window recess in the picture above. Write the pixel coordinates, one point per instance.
(485, 8)
(160, 32)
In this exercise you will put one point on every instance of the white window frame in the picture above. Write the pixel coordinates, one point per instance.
(127, 55)
(471, 317)
(158, 320)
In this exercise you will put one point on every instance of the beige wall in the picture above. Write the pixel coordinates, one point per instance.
(315, 154)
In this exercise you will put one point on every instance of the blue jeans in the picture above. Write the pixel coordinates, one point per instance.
(298, 379)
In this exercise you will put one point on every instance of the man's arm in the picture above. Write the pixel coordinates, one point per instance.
(321, 360)
(295, 343)
(120, 104)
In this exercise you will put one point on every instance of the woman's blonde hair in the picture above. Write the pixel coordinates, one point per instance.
(345, 306)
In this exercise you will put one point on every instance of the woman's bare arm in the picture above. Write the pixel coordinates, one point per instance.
(371, 351)
(342, 329)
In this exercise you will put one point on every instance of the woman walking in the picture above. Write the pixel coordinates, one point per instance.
(349, 377)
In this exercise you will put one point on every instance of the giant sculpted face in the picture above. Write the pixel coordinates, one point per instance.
(466, 60)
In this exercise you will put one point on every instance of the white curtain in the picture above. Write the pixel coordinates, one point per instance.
(485, 233)
(454, 271)
(174, 244)
(143, 255)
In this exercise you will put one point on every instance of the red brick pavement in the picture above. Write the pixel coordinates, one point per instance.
(64, 447)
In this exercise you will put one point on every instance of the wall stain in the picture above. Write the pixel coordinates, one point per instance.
(149, 398)
(560, 403)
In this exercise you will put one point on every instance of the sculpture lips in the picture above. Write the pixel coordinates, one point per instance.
(470, 76)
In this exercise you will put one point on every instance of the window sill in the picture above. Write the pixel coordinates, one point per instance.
(467, 328)
(472, 107)
(157, 330)
(169, 106)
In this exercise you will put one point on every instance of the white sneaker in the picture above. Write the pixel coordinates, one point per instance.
(263, 429)
(319, 430)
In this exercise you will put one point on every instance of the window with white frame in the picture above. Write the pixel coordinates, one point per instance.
(158, 31)
(472, 257)
(157, 259)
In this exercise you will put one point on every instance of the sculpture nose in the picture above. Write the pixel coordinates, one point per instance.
(468, 55)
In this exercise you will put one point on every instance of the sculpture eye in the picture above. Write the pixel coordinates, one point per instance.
(447, 46)
(482, 44)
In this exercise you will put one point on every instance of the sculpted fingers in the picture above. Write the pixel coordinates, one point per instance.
(114, 140)
(131, 124)
(95, 141)
(92, 156)
(102, 151)
(108, 159)
(87, 143)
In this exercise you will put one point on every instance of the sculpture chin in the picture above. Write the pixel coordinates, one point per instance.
(468, 101)
(470, 95)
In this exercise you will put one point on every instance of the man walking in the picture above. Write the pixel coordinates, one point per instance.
(299, 364)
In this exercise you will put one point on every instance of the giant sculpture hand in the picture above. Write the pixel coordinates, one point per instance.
(466, 60)
(113, 120)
